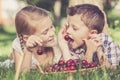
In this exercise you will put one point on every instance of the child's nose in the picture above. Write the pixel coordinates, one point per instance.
(52, 32)
(68, 30)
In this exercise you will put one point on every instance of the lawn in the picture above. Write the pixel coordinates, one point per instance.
(7, 35)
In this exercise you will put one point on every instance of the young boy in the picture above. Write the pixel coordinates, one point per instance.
(86, 40)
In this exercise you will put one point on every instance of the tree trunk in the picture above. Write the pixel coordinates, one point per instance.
(57, 11)
(99, 3)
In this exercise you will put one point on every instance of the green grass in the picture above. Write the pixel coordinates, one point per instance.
(7, 35)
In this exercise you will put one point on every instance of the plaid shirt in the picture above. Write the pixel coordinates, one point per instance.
(109, 47)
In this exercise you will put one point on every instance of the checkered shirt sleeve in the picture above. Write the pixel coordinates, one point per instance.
(111, 49)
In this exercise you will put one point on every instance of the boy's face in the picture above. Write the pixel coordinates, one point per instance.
(77, 30)
(46, 31)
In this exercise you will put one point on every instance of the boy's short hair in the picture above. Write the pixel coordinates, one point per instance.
(91, 15)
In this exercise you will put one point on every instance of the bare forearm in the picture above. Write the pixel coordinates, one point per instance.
(22, 61)
(27, 60)
(88, 56)
(65, 51)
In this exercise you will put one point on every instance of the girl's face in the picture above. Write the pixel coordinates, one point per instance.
(77, 31)
(46, 31)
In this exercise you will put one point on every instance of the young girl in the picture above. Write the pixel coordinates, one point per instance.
(35, 43)
(86, 40)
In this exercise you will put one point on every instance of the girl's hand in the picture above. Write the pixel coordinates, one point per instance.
(33, 41)
(63, 44)
(61, 34)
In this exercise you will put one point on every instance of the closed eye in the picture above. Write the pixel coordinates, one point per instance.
(45, 32)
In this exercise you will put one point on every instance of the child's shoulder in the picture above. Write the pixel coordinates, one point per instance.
(106, 37)
(16, 45)
(107, 40)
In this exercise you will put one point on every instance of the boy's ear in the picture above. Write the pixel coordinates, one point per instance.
(93, 31)
(25, 37)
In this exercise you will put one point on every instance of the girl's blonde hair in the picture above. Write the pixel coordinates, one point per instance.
(25, 25)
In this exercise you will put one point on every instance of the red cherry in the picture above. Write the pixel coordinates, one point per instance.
(88, 65)
(39, 52)
(93, 64)
(76, 61)
(56, 67)
(73, 64)
(68, 63)
(66, 37)
(72, 67)
(84, 62)
(68, 68)
(65, 68)
(61, 62)
(49, 68)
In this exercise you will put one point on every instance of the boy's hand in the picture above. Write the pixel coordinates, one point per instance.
(93, 42)
(33, 41)
(92, 45)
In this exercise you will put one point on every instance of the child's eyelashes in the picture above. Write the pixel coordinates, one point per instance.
(47, 30)
(75, 29)
(51, 27)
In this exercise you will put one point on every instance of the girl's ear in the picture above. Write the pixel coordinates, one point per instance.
(25, 37)
(93, 31)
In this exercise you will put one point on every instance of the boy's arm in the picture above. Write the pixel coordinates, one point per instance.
(91, 46)
(103, 59)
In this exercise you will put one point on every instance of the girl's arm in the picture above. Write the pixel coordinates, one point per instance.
(26, 60)
(63, 44)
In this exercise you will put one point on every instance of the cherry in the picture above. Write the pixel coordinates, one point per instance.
(66, 37)
(73, 64)
(72, 67)
(56, 67)
(93, 64)
(68, 63)
(65, 68)
(49, 68)
(68, 68)
(88, 65)
(61, 63)
(84, 62)
(39, 52)
(76, 61)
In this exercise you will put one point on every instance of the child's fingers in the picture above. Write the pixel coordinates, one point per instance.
(33, 41)
(64, 29)
(38, 41)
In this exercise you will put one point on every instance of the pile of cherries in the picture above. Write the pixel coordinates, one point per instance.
(70, 65)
